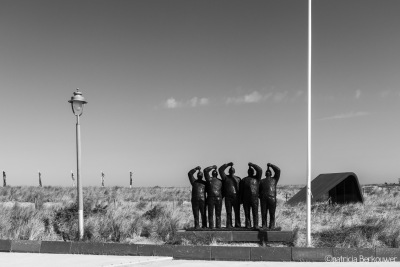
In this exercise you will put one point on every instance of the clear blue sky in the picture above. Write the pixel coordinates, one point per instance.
(176, 84)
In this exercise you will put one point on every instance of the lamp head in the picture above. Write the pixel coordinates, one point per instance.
(77, 102)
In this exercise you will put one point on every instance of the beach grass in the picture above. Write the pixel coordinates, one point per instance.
(153, 216)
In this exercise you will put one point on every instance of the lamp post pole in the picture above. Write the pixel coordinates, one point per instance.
(77, 102)
(78, 176)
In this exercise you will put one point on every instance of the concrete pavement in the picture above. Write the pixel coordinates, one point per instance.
(9, 259)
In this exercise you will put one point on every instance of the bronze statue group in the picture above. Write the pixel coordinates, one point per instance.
(208, 194)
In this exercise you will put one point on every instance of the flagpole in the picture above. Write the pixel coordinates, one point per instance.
(309, 130)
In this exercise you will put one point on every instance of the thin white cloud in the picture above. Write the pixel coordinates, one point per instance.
(204, 101)
(346, 115)
(280, 96)
(234, 100)
(299, 93)
(253, 97)
(358, 94)
(389, 93)
(193, 102)
(172, 103)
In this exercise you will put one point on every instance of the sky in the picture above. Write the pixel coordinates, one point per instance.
(176, 84)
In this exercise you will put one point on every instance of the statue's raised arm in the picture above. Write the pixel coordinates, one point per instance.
(221, 170)
(191, 174)
(258, 170)
(277, 172)
(206, 172)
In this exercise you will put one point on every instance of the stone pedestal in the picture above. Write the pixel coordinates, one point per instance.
(236, 235)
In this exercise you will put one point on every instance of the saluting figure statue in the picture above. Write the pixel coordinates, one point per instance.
(198, 197)
(268, 195)
(214, 196)
(249, 188)
(230, 190)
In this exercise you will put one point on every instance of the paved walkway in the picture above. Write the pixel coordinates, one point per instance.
(8, 259)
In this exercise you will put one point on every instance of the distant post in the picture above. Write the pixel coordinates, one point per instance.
(102, 179)
(40, 179)
(73, 179)
(130, 180)
(4, 179)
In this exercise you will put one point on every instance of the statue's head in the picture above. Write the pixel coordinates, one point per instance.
(231, 171)
(268, 174)
(250, 172)
(200, 175)
(214, 173)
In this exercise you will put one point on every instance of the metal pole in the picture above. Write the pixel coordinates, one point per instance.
(78, 176)
(309, 131)
(73, 179)
(40, 179)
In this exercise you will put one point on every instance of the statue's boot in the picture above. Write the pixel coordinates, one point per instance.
(218, 222)
(255, 220)
(229, 220)
(272, 224)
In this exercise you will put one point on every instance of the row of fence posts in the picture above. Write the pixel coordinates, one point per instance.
(5, 179)
(102, 183)
(72, 177)
(364, 189)
(102, 175)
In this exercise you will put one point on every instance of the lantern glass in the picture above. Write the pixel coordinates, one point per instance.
(77, 107)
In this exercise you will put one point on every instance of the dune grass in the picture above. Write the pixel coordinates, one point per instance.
(153, 215)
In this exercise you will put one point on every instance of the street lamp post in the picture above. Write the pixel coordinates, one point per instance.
(77, 102)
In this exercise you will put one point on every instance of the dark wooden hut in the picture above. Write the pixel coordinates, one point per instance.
(340, 188)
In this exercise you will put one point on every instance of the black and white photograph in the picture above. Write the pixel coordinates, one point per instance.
(199, 132)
